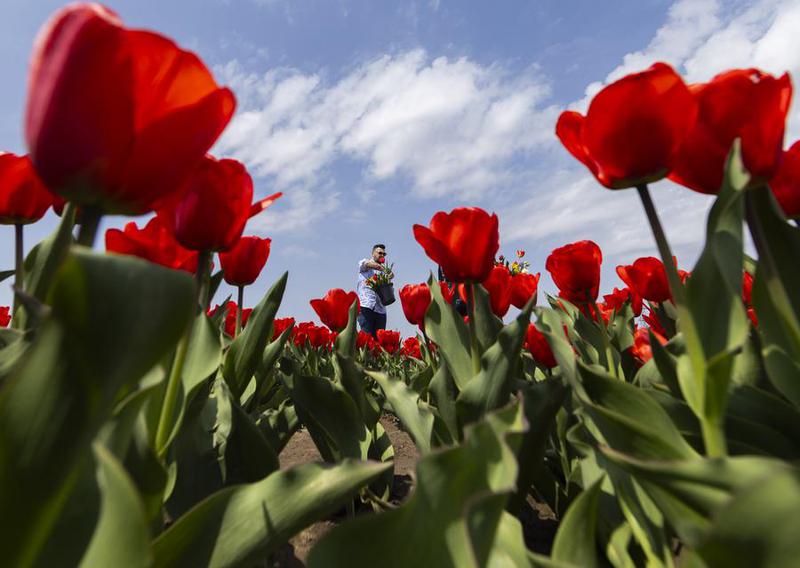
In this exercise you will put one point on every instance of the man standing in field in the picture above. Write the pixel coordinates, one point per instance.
(372, 315)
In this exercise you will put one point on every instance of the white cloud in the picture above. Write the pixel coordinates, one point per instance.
(451, 126)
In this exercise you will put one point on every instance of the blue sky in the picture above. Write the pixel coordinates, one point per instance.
(372, 116)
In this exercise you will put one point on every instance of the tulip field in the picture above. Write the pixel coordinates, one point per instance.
(142, 422)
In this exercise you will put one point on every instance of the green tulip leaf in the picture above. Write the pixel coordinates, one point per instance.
(575, 541)
(491, 387)
(416, 415)
(95, 346)
(239, 526)
(447, 329)
(246, 351)
(121, 537)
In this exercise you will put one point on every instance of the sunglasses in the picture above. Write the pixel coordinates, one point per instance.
(381, 254)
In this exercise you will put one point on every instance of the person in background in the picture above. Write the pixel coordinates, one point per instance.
(372, 315)
(458, 303)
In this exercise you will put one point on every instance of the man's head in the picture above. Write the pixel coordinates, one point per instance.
(379, 252)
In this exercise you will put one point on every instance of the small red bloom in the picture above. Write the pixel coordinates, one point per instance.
(279, 325)
(214, 208)
(575, 269)
(747, 288)
(411, 348)
(617, 298)
(154, 242)
(243, 263)
(647, 278)
(536, 343)
(743, 103)
(641, 350)
(333, 309)
(5, 316)
(448, 291)
(117, 118)
(366, 341)
(463, 242)
(785, 185)
(633, 129)
(523, 287)
(389, 340)
(230, 316)
(23, 197)
(415, 299)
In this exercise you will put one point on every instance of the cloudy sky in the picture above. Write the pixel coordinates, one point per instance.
(371, 116)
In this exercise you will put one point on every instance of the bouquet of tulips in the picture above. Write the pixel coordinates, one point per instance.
(382, 278)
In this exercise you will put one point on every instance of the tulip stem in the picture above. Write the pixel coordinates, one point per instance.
(18, 264)
(165, 425)
(90, 221)
(473, 334)
(713, 433)
(676, 287)
(239, 303)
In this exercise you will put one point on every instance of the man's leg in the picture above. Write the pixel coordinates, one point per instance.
(368, 325)
(380, 321)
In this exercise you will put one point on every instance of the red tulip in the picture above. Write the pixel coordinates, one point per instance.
(365, 340)
(214, 208)
(333, 309)
(642, 351)
(319, 336)
(415, 299)
(575, 269)
(230, 316)
(5, 316)
(743, 103)
(242, 264)
(448, 291)
(463, 242)
(633, 129)
(23, 197)
(389, 340)
(647, 277)
(154, 242)
(411, 348)
(785, 185)
(651, 319)
(536, 343)
(523, 287)
(309, 333)
(118, 118)
(279, 325)
(617, 298)
(498, 284)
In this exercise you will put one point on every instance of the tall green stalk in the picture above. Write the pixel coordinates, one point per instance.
(713, 433)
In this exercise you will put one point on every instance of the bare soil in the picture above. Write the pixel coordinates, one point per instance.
(538, 521)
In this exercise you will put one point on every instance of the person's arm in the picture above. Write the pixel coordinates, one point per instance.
(366, 264)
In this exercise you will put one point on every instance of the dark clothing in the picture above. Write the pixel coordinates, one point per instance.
(371, 321)
(458, 303)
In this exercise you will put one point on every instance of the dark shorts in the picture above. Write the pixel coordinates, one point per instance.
(371, 321)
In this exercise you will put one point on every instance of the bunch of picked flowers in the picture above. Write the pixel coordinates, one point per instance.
(517, 266)
(383, 278)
